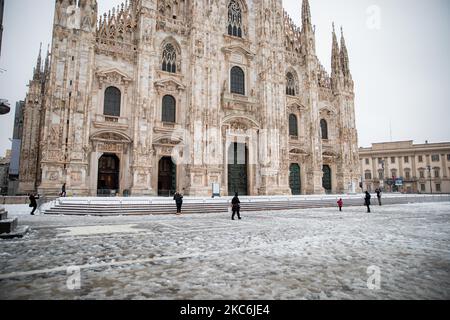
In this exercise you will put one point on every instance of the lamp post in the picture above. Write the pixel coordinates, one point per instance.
(4, 107)
(429, 175)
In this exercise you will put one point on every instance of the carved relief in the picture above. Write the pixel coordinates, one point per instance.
(75, 178)
(109, 147)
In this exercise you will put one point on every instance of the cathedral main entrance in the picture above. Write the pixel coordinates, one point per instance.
(167, 177)
(326, 180)
(295, 180)
(108, 175)
(237, 169)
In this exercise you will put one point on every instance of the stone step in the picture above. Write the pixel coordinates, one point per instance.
(20, 232)
(3, 215)
(221, 206)
(8, 225)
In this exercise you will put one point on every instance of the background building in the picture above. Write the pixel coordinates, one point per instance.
(4, 173)
(420, 168)
(2, 7)
(230, 88)
(15, 152)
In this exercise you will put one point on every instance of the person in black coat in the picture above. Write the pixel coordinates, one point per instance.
(63, 191)
(236, 207)
(33, 203)
(179, 201)
(367, 201)
(378, 191)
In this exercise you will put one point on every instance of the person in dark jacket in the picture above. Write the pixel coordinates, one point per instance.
(236, 206)
(367, 201)
(33, 203)
(378, 191)
(63, 191)
(179, 201)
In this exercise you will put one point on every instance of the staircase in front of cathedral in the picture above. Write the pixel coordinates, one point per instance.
(124, 207)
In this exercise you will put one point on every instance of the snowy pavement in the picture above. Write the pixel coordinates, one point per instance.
(302, 254)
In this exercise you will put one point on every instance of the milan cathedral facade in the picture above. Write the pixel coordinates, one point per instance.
(163, 95)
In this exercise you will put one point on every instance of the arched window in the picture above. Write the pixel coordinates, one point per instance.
(324, 129)
(234, 19)
(293, 125)
(169, 105)
(290, 84)
(112, 102)
(237, 81)
(169, 59)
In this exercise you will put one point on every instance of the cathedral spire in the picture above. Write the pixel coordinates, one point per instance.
(306, 15)
(336, 70)
(38, 68)
(47, 62)
(344, 56)
(308, 33)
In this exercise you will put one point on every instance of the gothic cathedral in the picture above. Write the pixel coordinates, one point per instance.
(158, 96)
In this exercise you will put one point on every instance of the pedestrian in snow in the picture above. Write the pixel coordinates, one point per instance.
(340, 204)
(63, 191)
(378, 191)
(179, 201)
(33, 203)
(367, 201)
(236, 206)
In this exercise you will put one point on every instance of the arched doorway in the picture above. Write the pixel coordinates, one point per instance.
(238, 169)
(295, 180)
(167, 177)
(108, 175)
(326, 180)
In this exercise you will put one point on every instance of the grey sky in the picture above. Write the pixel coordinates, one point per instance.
(401, 71)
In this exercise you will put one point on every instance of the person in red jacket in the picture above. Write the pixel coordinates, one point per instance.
(340, 204)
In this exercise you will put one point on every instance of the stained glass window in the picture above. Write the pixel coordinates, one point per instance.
(234, 19)
(112, 102)
(237, 81)
(169, 59)
(169, 109)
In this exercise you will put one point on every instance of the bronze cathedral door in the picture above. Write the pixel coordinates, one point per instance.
(167, 177)
(108, 175)
(237, 169)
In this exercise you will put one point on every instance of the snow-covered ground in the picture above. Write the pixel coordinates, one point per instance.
(303, 254)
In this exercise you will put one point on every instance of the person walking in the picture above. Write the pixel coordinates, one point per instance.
(63, 191)
(340, 204)
(378, 191)
(33, 203)
(179, 201)
(367, 201)
(236, 206)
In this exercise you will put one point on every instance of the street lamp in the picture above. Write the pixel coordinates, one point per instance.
(382, 167)
(429, 175)
(4, 106)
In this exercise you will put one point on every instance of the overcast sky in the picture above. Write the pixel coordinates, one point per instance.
(399, 57)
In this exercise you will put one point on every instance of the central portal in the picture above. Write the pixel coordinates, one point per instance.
(237, 169)
(108, 175)
(167, 177)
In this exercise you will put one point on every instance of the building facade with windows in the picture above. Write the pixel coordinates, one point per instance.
(421, 168)
(164, 95)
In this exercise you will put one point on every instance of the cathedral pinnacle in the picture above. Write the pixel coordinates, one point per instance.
(344, 56)
(336, 70)
(306, 15)
(38, 68)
